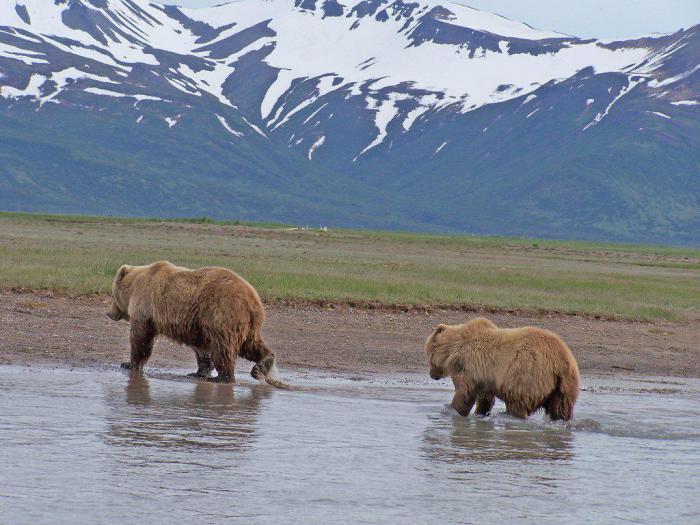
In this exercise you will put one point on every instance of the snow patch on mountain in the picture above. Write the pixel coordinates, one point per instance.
(27, 57)
(380, 55)
(255, 128)
(280, 63)
(632, 83)
(32, 89)
(466, 16)
(228, 128)
(672, 80)
(116, 94)
(439, 148)
(280, 118)
(307, 119)
(315, 146)
(528, 99)
(386, 110)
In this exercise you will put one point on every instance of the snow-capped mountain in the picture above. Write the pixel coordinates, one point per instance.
(349, 113)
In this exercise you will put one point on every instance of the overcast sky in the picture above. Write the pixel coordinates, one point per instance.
(584, 18)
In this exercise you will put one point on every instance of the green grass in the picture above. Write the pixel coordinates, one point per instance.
(52, 217)
(79, 255)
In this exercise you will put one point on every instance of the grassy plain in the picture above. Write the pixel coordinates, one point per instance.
(79, 255)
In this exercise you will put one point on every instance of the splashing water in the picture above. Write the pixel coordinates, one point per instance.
(106, 446)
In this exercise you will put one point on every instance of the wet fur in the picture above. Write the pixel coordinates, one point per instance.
(213, 310)
(528, 368)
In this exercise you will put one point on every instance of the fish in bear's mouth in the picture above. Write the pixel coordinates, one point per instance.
(266, 371)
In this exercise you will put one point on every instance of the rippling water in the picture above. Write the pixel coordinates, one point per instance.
(106, 447)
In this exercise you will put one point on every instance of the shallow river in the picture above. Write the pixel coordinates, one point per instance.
(100, 446)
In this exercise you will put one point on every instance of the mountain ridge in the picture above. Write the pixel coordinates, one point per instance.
(366, 113)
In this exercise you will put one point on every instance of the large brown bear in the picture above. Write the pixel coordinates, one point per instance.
(528, 368)
(213, 310)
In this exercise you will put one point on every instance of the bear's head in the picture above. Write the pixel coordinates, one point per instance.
(121, 293)
(434, 351)
(439, 346)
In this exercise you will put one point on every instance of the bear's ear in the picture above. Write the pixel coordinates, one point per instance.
(123, 271)
(440, 328)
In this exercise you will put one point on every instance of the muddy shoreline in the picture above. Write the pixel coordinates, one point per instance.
(49, 329)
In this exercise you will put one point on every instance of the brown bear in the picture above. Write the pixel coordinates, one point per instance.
(213, 310)
(528, 368)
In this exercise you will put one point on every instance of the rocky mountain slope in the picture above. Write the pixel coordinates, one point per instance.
(375, 113)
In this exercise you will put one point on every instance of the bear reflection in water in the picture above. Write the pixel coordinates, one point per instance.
(484, 440)
(197, 415)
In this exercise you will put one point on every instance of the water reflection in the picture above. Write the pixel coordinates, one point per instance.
(207, 415)
(459, 440)
(97, 446)
(138, 390)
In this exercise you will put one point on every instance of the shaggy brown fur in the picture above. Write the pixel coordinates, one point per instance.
(213, 310)
(528, 368)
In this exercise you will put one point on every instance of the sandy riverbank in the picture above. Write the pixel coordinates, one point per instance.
(37, 328)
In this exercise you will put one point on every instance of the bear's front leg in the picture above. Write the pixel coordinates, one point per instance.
(484, 404)
(142, 335)
(225, 363)
(463, 401)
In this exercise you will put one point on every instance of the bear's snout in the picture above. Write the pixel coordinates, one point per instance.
(436, 374)
(115, 315)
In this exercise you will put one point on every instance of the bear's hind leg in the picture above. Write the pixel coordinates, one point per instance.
(225, 363)
(142, 335)
(484, 404)
(204, 364)
(558, 407)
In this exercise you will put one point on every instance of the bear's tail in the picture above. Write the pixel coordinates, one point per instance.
(560, 404)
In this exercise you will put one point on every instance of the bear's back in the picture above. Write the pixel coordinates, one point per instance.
(190, 305)
(543, 344)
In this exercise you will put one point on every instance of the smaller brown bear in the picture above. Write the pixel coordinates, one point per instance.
(213, 310)
(528, 368)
